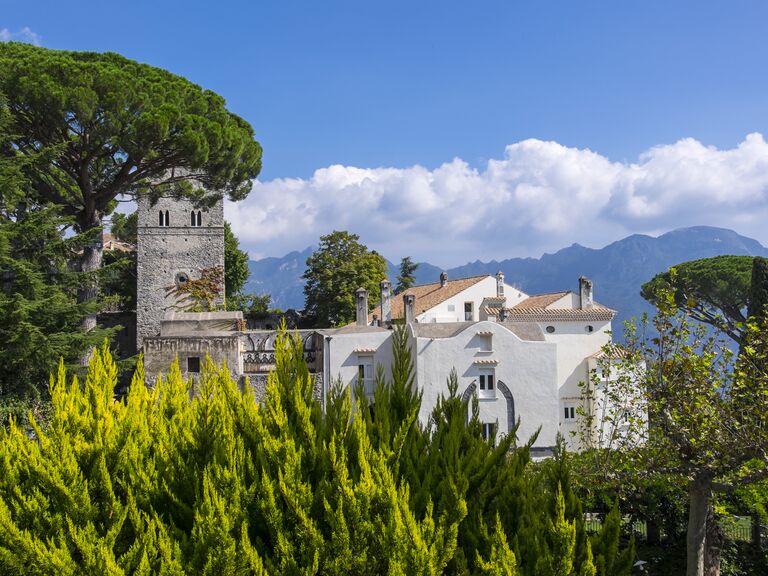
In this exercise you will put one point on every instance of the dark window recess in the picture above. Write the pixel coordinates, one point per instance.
(550, 329)
(570, 413)
(193, 364)
(486, 381)
(488, 430)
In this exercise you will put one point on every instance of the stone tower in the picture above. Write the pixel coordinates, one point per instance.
(176, 241)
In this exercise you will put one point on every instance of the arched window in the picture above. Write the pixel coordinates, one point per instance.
(196, 218)
(193, 219)
(161, 219)
(167, 219)
(199, 218)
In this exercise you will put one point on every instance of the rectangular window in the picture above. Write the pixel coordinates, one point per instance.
(365, 373)
(487, 384)
(488, 430)
(469, 312)
(193, 364)
(570, 413)
(451, 307)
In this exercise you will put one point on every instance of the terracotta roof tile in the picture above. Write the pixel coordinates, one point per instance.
(429, 295)
(541, 300)
(596, 313)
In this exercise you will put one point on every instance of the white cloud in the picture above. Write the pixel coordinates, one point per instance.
(540, 196)
(24, 35)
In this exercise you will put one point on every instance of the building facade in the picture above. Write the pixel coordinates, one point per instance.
(524, 357)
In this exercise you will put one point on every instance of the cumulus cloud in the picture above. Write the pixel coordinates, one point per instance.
(540, 196)
(24, 35)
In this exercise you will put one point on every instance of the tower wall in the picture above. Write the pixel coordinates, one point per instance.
(169, 249)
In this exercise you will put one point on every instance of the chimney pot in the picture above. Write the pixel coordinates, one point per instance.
(386, 302)
(409, 307)
(585, 293)
(361, 298)
(499, 284)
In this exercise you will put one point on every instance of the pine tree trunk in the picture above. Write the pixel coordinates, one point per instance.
(90, 262)
(700, 502)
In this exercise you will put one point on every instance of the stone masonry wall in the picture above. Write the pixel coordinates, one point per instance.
(164, 252)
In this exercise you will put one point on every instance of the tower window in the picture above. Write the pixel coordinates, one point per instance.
(193, 364)
(199, 218)
(196, 218)
(164, 219)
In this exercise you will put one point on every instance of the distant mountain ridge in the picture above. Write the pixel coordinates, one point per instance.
(617, 270)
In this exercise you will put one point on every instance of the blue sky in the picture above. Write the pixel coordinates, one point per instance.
(453, 131)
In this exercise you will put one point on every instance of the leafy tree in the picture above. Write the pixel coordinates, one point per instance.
(707, 412)
(236, 270)
(110, 127)
(38, 292)
(407, 277)
(124, 227)
(715, 291)
(334, 272)
(41, 316)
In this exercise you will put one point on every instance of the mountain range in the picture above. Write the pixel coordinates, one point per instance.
(617, 270)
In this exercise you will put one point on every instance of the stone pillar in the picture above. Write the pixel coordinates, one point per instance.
(409, 307)
(361, 297)
(386, 302)
(500, 284)
(585, 293)
(443, 279)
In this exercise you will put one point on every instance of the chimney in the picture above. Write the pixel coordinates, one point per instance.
(585, 293)
(500, 284)
(443, 279)
(386, 302)
(361, 297)
(409, 307)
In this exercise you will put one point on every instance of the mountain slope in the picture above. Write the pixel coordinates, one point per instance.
(617, 270)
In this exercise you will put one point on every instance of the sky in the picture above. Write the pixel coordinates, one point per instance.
(455, 131)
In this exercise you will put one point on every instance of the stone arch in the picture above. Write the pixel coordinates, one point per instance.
(505, 391)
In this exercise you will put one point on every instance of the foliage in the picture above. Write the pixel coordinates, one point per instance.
(257, 305)
(708, 417)
(199, 294)
(406, 277)
(213, 483)
(38, 300)
(715, 291)
(235, 263)
(449, 463)
(124, 227)
(100, 127)
(758, 292)
(123, 124)
(335, 270)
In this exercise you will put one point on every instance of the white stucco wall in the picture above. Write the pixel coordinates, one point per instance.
(575, 344)
(529, 369)
(484, 289)
(342, 361)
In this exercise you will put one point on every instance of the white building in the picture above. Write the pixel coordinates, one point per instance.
(524, 356)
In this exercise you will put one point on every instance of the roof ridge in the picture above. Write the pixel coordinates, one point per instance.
(450, 280)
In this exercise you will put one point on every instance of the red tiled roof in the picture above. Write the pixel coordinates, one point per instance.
(429, 295)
